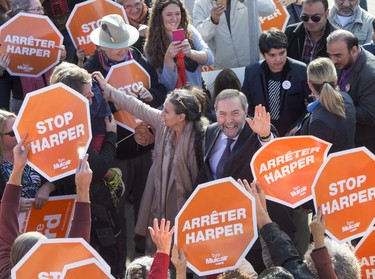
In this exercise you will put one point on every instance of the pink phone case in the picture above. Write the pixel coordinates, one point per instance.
(178, 35)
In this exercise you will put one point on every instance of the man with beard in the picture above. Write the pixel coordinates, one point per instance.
(348, 15)
(356, 71)
(229, 147)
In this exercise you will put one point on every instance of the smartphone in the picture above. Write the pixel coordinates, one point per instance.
(178, 35)
(222, 2)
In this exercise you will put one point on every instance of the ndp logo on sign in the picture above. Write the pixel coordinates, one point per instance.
(345, 191)
(59, 132)
(286, 167)
(216, 236)
(33, 51)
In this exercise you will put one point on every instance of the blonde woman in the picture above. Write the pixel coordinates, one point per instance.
(332, 115)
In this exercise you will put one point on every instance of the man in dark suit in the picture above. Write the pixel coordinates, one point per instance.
(356, 72)
(278, 83)
(245, 138)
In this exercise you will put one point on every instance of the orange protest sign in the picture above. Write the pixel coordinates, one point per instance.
(53, 220)
(344, 189)
(57, 121)
(128, 77)
(279, 18)
(86, 16)
(90, 268)
(366, 255)
(286, 168)
(216, 227)
(32, 50)
(48, 257)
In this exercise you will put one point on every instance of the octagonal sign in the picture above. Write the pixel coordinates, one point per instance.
(344, 189)
(286, 168)
(48, 258)
(216, 227)
(90, 268)
(86, 17)
(365, 253)
(278, 19)
(32, 50)
(128, 77)
(57, 121)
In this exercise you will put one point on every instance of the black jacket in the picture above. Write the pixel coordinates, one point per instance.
(294, 92)
(283, 252)
(296, 34)
(238, 166)
(332, 128)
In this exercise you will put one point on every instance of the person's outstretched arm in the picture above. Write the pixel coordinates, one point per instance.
(9, 227)
(162, 237)
(319, 255)
(81, 224)
(179, 262)
(280, 246)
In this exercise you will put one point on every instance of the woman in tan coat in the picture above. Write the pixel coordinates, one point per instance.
(179, 132)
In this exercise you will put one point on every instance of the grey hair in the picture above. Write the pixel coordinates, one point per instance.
(23, 244)
(17, 6)
(231, 93)
(344, 261)
(140, 264)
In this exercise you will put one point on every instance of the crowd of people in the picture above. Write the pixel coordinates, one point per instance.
(316, 78)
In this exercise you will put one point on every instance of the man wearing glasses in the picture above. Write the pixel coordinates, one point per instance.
(138, 15)
(307, 39)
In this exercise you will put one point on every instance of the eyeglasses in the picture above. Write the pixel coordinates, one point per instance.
(38, 9)
(179, 100)
(11, 134)
(135, 6)
(314, 18)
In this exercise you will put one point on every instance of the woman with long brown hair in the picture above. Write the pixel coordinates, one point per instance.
(177, 62)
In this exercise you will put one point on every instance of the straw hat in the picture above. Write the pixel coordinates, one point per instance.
(113, 32)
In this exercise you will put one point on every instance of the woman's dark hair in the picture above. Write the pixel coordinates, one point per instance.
(157, 40)
(226, 79)
(192, 102)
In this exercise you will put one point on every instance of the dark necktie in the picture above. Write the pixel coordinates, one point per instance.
(224, 157)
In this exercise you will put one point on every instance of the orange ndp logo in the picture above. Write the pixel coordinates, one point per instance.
(32, 50)
(216, 227)
(49, 258)
(344, 189)
(90, 268)
(86, 17)
(366, 255)
(128, 77)
(286, 168)
(53, 220)
(279, 18)
(57, 121)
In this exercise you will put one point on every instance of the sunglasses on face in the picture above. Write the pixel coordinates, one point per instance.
(11, 134)
(314, 18)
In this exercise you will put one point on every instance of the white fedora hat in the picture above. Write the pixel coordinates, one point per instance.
(113, 32)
